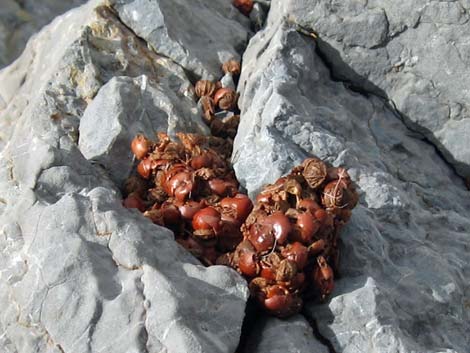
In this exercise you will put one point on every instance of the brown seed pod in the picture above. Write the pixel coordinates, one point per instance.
(232, 67)
(339, 173)
(225, 98)
(314, 172)
(286, 271)
(140, 146)
(323, 277)
(204, 88)
(333, 194)
(208, 109)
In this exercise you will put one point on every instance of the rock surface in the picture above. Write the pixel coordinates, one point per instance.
(181, 30)
(293, 335)
(19, 19)
(415, 53)
(79, 272)
(405, 260)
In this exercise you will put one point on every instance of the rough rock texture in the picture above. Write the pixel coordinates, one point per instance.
(416, 53)
(127, 106)
(19, 19)
(405, 262)
(293, 335)
(78, 272)
(181, 30)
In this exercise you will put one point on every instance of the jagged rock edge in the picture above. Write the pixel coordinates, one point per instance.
(389, 103)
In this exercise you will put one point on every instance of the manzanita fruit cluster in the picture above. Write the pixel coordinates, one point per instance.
(290, 246)
(189, 187)
(286, 245)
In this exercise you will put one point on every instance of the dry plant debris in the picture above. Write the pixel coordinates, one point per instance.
(286, 245)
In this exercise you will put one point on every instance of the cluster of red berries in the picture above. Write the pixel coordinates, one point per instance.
(290, 245)
(189, 187)
(286, 246)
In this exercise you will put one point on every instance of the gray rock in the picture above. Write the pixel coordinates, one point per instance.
(79, 272)
(258, 15)
(293, 335)
(227, 81)
(199, 35)
(405, 263)
(125, 107)
(415, 53)
(21, 19)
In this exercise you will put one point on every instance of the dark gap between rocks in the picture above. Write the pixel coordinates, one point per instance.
(316, 332)
(252, 312)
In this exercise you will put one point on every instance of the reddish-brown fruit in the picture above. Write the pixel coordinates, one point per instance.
(222, 187)
(140, 146)
(134, 201)
(201, 161)
(241, 204)
(269, 273)
(244, 6)
(248, 264)
(323, 277)
(232, 67)
(281, 226)
(297, 253)
(207, 219)
(171, 214)
(307, 226)
(189, 209)
(321, 215)
(261, 237)
(181, 185)
(144, 168)
(317, 247)
(225, 98)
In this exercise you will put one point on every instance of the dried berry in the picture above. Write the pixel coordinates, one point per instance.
(206, 222)
(285, 244)
(232, 67)
(314, 172)
(140, 146)
(225, 98)
(244, 6)
(208, 108)
(297, 253)
(333, 194)
(248, 264)
(204, 88)
(280, 226)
